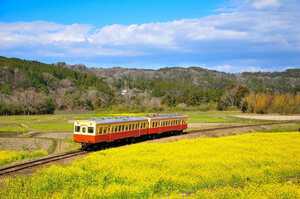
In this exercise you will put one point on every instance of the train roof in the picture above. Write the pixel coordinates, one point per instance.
(108, 120)
(124, 119)
(167, 116)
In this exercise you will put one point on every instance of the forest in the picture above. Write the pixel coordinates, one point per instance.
(31, 87)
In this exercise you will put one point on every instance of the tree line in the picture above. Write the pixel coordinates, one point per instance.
(30, 87)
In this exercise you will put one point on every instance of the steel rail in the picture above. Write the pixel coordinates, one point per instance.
(37, 162)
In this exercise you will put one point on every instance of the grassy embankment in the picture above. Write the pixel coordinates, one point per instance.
(63, 122)
(260, 165)
(7, 157)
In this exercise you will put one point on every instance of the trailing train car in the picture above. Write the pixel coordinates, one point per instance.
(109, 129)
(167, 123)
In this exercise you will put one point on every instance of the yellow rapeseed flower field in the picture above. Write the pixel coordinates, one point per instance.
(258, 165)
(7, 156)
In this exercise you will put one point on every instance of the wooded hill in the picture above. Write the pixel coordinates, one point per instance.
(29, 87)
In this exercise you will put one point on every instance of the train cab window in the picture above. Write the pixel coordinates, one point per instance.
(83, 129)
(90, 129)
(77, 129)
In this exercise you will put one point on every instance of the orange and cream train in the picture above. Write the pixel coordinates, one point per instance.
(109, 129)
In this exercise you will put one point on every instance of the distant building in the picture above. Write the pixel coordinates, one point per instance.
(124, 92)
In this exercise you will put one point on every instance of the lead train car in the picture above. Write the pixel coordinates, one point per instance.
(109, 129)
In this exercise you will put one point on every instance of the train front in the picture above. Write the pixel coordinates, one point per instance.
(84, 132)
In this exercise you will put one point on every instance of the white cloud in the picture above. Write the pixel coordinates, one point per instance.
(221, 39)
(261, 4)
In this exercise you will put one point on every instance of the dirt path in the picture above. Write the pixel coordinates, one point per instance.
(270, 117)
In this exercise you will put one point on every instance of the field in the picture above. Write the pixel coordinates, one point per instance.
(259, 165)
(7, 157)
(63, 122)
(53, 133)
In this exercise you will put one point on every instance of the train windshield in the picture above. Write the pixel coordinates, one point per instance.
(77, 129)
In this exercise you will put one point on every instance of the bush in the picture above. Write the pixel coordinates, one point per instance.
(271, 103)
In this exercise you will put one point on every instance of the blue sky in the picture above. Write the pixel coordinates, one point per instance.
(105, 12)
(231, 36)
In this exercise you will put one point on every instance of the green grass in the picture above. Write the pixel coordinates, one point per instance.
(259, 165)
(217, 117)
(63, 122)
(7, 157)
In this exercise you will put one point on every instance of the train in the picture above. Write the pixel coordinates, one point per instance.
(94, 131)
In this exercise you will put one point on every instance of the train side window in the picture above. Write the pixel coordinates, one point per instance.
(77, 129)
(83, 129)
(90, 129)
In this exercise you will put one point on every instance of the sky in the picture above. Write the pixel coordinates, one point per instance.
(224, 35)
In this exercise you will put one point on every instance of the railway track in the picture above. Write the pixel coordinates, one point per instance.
(37, 162)
(49, 159)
